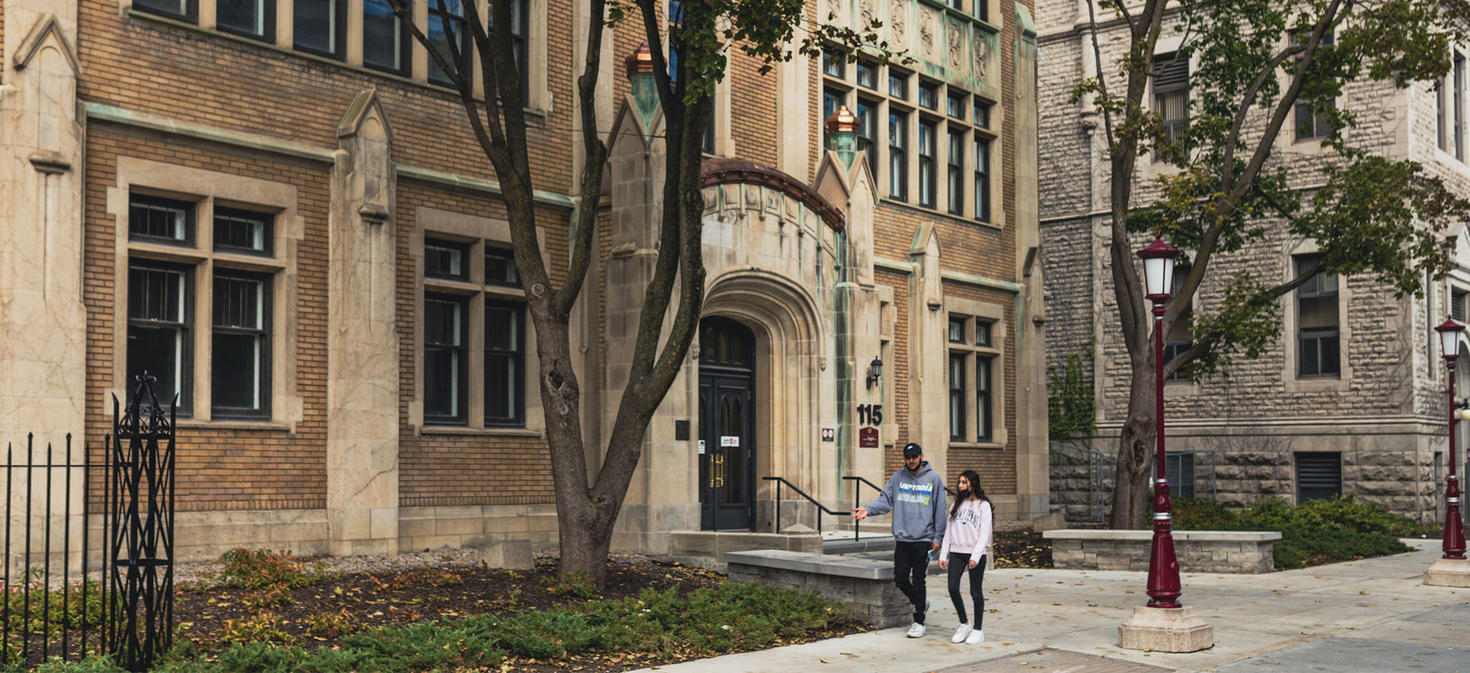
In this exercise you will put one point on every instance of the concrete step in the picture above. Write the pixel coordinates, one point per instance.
(887, 556)
(847, 545)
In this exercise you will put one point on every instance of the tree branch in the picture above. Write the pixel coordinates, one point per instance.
(594, 162)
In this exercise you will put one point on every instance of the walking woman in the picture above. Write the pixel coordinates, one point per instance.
(966, 542)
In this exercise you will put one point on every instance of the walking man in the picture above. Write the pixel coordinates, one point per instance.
(915, 495)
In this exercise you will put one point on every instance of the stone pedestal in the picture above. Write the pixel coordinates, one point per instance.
(1165, 630)
(1448, 573)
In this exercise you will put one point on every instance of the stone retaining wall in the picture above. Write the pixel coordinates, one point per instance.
(1198, 551)
(864, 584)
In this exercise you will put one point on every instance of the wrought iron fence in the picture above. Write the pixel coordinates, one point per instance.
(70, 598)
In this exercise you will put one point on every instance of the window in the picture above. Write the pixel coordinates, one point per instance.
(929, 95)
(1179, 471)
(1318, 475)
(445, 338)
(971, 379)
(159, 338)
(957, 397)
(955, 105)
(1311, 123)
(867, 114)
(982, 10)
(240, 350)
(1441, 128)
(984, 408)
(867, 75)
(1317, 327)
(446, 259)
(898, 162)
(184, 10)
(386, 43)
(928, 146)
(982, 113)
(898, 84)
(447, 33)
(1457, 305)
(1171, 97)
(321, 27)
(473, 300)
(242, 231)
(833, 64)
(1179, 337)
(956, 172)
(249, 18)
(982, 179)
(519, 30)
(1459, 111)
(504, 363)
(160, 220)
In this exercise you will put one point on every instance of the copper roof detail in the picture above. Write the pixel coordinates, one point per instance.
(742, 171)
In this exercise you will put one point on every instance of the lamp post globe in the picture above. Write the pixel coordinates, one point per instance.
(1454, 530)
(1163, 565)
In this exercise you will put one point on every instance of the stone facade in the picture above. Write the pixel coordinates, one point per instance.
(1197, 551)
(1380, 419)
(359, 177)
(866, 585)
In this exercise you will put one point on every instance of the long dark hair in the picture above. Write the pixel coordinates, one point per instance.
(975, 490)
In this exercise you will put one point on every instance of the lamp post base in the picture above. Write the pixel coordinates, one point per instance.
(1165, 630)
(1445, 572)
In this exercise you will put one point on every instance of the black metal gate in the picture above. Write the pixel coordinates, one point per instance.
(120, 599)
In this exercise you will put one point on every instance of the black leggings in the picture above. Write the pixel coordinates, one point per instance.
(957, 564)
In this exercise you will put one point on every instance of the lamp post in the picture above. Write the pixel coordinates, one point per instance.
(1163, 566)
(1454, 532)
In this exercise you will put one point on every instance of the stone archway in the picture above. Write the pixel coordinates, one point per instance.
(791, 380)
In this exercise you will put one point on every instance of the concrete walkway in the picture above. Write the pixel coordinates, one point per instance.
(1370, 615)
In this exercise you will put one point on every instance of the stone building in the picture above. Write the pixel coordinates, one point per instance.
(1352, 398)
(278, 208)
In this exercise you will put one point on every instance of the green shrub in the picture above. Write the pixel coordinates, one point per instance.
(1319, 531)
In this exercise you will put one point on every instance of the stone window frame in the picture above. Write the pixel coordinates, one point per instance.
(1291, 381)
(477, 232)
(972, 310)
(205, 188)
(539, 99)
(1451, 100)
(1154, 168)
(878, 162)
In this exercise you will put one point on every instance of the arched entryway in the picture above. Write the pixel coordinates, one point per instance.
(726, 425)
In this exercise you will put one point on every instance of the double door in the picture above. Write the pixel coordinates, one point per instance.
(727, 459)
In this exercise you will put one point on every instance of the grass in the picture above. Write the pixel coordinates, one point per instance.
(1319, 531)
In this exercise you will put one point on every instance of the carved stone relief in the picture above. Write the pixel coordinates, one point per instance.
(869, 11)
(955, 43)
(898, 21)
(982, 56)
(833, 10)
(928, 26)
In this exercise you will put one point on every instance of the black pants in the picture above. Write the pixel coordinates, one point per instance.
(957, 563)
(910, 566)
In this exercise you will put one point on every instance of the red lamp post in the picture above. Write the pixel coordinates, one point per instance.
(1454, 531)
(1163, 565)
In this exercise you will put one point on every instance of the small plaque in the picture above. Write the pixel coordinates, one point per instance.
(829, 434)
(681, 431)
(701, 447)
(729, 441)
(868, 438)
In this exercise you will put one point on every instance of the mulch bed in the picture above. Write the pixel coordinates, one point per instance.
(1021, 549)
(441, 592)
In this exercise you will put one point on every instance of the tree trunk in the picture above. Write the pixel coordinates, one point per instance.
(1131, 498)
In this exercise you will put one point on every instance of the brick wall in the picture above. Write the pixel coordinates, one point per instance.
(217, 469)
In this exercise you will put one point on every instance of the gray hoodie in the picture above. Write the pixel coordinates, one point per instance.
(917, 503)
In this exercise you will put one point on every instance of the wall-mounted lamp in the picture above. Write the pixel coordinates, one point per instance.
(875, 372)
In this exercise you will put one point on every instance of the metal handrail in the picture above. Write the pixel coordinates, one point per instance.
(858, 502)
(820, 507)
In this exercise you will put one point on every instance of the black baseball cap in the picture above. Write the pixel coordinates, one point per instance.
(912, 450)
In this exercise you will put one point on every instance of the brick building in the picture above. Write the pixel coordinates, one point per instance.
(276, 207)
(1352, 399)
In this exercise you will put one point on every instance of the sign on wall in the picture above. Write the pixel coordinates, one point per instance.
(829, 434)
(868, 438)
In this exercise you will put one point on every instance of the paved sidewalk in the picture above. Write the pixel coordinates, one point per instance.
(1371, 615)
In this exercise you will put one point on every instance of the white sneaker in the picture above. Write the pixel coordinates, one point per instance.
(976, 637)
(917, 630)
(961, 632)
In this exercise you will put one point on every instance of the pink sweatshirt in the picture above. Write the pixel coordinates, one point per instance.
(969, 530)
